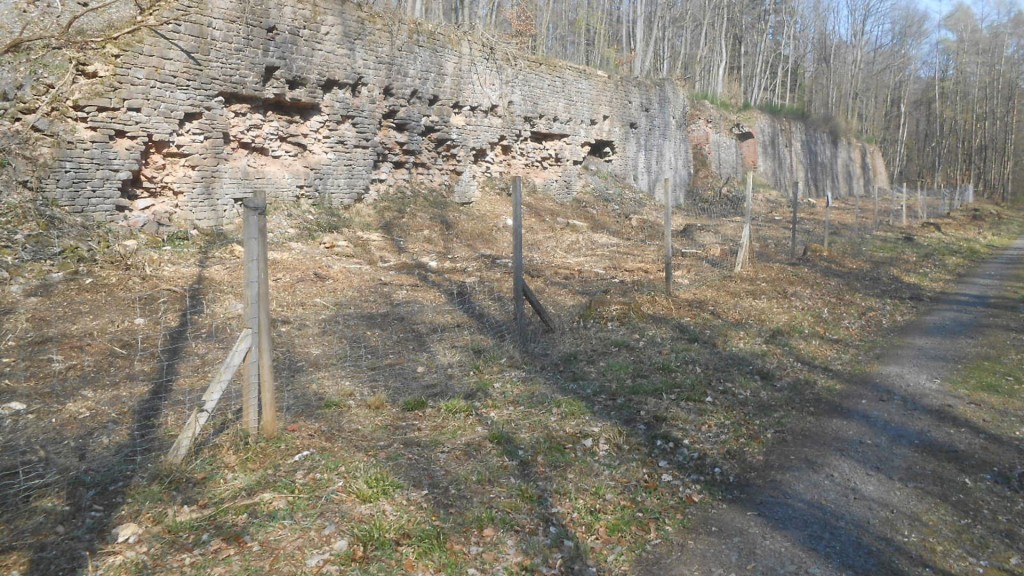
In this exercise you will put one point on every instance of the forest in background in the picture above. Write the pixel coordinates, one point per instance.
(940, 94)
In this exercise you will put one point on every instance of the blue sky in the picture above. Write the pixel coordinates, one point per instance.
(941, 7)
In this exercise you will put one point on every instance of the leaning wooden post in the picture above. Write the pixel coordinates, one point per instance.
(517, 259)
(668, 238)
(250, 367)
(796, 211)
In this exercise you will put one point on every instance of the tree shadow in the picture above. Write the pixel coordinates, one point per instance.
(93, 495)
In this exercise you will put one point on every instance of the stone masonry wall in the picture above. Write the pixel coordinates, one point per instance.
(326, 100)
(321, 99)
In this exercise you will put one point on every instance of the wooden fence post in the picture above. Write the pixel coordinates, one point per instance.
(668, 238)
(828, 218)
(743, 254)
(904, 204)
(874, 226)
(856, 217)
(258, 374)
(796, 212)
(922, 206)
(268, 394)
(518, 293)
(250, 367)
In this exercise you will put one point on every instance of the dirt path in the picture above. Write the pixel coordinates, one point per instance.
(890, 479)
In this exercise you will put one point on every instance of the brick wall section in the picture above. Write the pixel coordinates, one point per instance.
(326, 100)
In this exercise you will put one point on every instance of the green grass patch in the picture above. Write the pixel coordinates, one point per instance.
(374, 484)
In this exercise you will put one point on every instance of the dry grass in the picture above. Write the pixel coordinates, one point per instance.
(420, 438)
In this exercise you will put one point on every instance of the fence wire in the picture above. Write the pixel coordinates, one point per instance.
(93, 402)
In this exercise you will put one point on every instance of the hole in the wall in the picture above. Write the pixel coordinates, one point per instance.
(413, 95)
(357, 85)
(271, 28)
(480, 154)
(433, 100)
(602, 149)
(268, 73)
(391, 113)
(293, 108)
(190, 117)
(493, 109)
(633, 125)
(543, 137)
(389, 91)
(331, 84)
(295, 83)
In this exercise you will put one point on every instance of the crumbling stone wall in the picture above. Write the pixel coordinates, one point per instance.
(326, 100)
(322, 99)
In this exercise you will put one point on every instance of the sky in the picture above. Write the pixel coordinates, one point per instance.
(941, 7)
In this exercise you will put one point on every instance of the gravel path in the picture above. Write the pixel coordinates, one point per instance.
(889, 479)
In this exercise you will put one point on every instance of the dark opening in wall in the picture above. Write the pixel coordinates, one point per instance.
(268, 73)
(602, 149)
(330, 85)
(542, 137)
(296, 83)
(742, 133)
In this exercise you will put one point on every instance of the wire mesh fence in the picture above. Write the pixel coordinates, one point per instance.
(708, 239)
(406, 309)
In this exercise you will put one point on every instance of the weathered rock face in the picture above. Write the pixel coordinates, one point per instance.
(784, 152)
(323, 99)
(789, 151)
(312, 98)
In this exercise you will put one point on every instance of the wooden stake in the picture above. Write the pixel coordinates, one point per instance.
(518, 292)
(250, 369)
(743, 254)
(904, 219)
(668, 238)
(268, 395)
(796, 211)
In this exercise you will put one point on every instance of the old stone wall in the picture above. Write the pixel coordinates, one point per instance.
(321, 99)
(326, 100)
